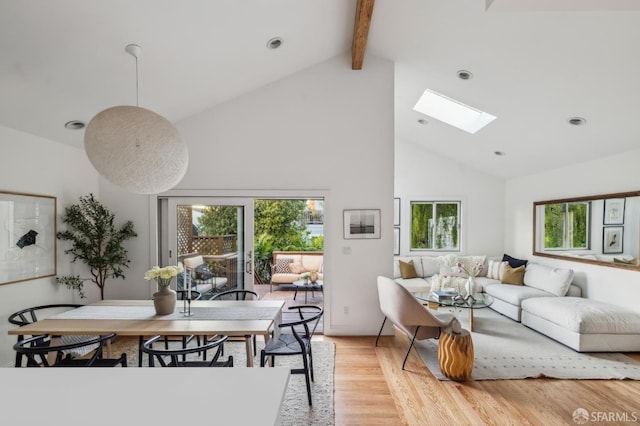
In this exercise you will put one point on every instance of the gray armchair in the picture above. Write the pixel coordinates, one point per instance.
(409, 315)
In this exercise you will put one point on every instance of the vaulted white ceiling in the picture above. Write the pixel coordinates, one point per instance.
(535, 64)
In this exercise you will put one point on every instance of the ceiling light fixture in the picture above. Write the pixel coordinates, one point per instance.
(499, 153)
(577, 121)
(422, 121)
(452, 112)
(274, 43)
(74, 125)
(135, 148)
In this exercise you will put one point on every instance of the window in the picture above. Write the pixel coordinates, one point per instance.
(435, 225)
(566, 226)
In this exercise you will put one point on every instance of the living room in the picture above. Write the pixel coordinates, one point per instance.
(335, 126)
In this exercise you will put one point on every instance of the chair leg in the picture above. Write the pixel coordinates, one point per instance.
(311, 361)
(306, 376)
(413, 339)
(380, 332)
(140, 341)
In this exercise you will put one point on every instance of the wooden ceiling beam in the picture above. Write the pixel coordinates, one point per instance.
(364, 10)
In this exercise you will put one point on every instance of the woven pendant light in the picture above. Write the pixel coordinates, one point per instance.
(135, 148)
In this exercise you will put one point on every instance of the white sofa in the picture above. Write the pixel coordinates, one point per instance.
(547, 302)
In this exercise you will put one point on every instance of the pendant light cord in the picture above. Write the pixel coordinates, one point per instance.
(137, 102)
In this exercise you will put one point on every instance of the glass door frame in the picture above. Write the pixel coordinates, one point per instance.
(245, 236)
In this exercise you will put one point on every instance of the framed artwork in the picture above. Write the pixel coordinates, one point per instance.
(361, 224)
(396, 212)
(396, 241)
(27, 237)
(612, 239)
(613, 211)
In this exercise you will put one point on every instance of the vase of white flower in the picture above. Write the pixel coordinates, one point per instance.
(164, 300)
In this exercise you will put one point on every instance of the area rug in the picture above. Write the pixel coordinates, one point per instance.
(295, 408)
(505, 349)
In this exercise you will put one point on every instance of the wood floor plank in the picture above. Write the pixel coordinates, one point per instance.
(372, 389)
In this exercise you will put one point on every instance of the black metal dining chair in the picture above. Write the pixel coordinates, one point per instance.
(30, 315)
(239, 295)
(178, 357)
(295, 339)
(37, 349)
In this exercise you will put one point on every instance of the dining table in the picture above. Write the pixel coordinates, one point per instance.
(138, 318)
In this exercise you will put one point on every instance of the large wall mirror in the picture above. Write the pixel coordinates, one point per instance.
(600, 229)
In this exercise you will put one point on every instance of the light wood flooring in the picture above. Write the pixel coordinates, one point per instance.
(372, 389)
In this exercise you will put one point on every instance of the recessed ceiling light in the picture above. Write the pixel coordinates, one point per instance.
(452, 112)
(465, 75)
(423, 121)
(577, 121)
(74, 125)
(274, 43)
(499, 153)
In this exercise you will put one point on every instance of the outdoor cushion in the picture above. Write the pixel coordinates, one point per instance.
(311, 262)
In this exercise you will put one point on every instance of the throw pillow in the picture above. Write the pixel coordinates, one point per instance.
(282, 266)
(203, 272)
(439, 282)
(513, 276)
(296, 267)
(513, 262)
(496, 269)
(407, 270)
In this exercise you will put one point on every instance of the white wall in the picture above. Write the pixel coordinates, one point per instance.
(327, 128)
(607, 175)
(422, 175)
(33, 165)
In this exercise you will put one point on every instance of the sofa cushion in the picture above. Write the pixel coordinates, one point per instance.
(415, 285)
(514, 294)
(553, 280)
(513, 262)
(585, 316)
(312, 262)
(513, 276)
(296, 267)
(469, 263)
(407, 270)
(285, 278)
(430, 265)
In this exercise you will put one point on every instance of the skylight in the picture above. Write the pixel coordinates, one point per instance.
(452, 112)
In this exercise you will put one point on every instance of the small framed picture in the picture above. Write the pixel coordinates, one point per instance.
(613, 211)
(361, 224)
(396, 212)
(612, 239)
(396, 241)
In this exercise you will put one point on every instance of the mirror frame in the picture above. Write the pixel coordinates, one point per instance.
(577, 259)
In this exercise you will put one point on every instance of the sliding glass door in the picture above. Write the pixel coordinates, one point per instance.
(218, 229)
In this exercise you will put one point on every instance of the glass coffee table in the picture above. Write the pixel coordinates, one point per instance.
(478, 301)
(306, 286)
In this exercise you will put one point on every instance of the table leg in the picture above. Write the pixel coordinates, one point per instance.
(249, 345)
(470, 319)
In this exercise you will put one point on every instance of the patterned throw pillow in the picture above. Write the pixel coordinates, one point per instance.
(203, 272)
(282, 266)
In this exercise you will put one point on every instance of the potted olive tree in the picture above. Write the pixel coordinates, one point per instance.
(96, 241)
